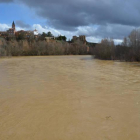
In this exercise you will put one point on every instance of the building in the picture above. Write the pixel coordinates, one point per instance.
(81, 38)
(11, 32)
(3, 34)
(25, 34)
(36, 34)
(50, 39)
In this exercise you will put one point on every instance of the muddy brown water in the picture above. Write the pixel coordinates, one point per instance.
(69, 98)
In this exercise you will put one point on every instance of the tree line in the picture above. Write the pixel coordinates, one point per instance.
(129, 50)
(40, 47)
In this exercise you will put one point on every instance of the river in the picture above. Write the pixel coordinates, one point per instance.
(69, 98)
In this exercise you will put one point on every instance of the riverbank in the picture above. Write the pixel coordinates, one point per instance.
(37, 48)
(121, 53)
(128, 50)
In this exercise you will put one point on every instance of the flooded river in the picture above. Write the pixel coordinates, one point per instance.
(69, 98)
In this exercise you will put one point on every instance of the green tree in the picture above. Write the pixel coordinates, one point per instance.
(49, 34)
(61, 38)
(42, 37)
(21, 36)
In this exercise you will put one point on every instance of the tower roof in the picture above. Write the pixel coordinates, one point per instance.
(13, 23)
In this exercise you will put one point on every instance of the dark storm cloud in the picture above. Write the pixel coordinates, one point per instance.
(74, 13)
(22, 24)
(120, 16)
(5, 1)
(114, 31)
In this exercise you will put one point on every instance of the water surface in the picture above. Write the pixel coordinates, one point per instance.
(69, 98)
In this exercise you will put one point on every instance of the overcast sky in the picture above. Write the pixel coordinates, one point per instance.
(96, 19)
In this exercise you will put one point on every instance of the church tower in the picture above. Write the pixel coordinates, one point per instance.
(13, 25)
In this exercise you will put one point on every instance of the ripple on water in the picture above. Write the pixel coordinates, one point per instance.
(69, 98)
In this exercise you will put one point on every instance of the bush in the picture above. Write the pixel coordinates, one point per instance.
(33, 47)
(105, 50)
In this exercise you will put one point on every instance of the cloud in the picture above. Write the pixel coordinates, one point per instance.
(45, 29)
(90, 32)
(95, 19)
(5, 1)
(4, 27)
(22, 24)
(72, 14)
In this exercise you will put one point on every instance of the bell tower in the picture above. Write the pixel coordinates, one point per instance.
(13, 25)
